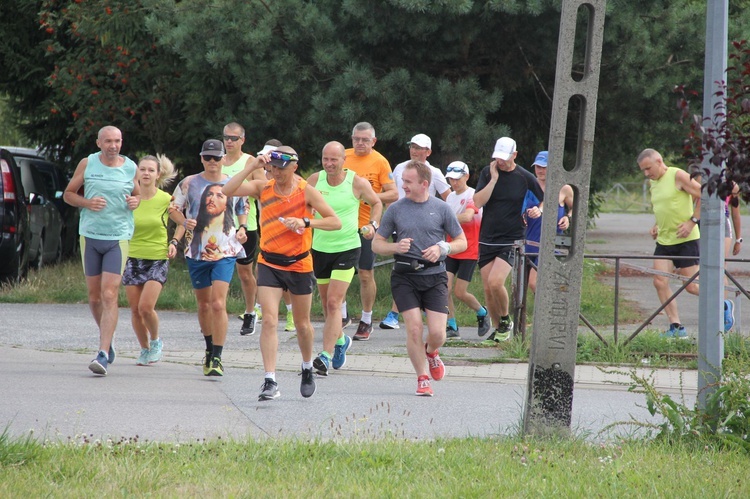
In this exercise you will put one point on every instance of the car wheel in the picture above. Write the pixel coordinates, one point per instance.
(59, 252)
(13, 277)
(39, 260)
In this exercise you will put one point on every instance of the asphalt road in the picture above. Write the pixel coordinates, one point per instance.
(45, 386)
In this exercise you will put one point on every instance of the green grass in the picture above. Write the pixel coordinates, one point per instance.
(64, 283)
(491, 467)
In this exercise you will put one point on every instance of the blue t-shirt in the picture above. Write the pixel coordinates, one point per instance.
(113, 183)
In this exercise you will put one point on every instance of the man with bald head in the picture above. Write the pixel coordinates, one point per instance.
(336, 253)
(110, 195)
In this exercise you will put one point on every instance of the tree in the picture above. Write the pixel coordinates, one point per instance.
(725, 137)
(464, 72)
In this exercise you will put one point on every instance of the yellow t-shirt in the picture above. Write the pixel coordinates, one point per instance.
(149, 240)
(234, 169)
(376, 169)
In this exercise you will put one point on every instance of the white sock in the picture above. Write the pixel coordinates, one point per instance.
(343, 310)
(366, 317)
(307, 365)
(252, 312)
(271, 376)
(288, 308)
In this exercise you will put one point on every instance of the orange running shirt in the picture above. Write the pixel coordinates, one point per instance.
(275, 237)
(376, 169)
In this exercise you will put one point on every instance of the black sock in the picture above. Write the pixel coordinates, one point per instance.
(209, 342)
(217, 351)
(505, 318)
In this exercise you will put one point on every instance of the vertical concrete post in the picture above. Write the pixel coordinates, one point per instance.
(549, 401)
(711, 298)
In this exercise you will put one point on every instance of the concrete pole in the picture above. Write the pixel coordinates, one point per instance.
(549, 401)
(711, 299)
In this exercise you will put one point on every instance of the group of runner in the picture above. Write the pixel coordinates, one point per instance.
(320, 231)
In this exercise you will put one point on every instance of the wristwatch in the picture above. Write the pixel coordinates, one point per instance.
(307, 222)
(374, 224)
(695, 220)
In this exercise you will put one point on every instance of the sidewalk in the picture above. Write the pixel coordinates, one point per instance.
(47, 388)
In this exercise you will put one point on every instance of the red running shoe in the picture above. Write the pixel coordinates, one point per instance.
(364, 331)
(437, 368)
(423, 386)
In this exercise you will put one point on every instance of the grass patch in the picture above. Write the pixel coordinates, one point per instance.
(65, 283)
(385, 468)
(648, 348)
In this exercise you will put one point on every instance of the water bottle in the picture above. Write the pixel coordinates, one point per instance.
(298, 231)
(365, 230)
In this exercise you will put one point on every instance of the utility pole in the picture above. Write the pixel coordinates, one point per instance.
(711, 297)
(549, 402)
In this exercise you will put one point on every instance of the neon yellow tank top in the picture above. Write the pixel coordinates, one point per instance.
(671, 208)
(346, 206)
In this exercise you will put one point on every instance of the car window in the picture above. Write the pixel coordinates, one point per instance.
(48, 176)
(31, 179)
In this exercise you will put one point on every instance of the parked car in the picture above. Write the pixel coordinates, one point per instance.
(46, 221)
(55, 180)
(15, 228)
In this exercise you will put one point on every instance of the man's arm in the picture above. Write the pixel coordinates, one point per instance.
(313, 179)
(683, 182)
(381, 246)
(238, 186)
(330, 220)
(363, 190)
(389, 193)
(466, 216)
(567, 195)
(484, 191)
(71, 195)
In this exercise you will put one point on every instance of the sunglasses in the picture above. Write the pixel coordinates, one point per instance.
(284, 156)
(457, 169)
(212, 158)
(233, 138)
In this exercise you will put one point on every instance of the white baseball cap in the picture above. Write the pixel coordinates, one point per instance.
(421, 140)
(504, 148)
(266, 149)
(457, 169)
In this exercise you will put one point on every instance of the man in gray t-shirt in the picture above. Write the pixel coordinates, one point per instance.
(419, 281)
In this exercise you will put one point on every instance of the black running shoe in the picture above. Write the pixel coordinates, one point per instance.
(307, 386)
(484, 324)
(248, 325)
(320, 364)
(269, 390)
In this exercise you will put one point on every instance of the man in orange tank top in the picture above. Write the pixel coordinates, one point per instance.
(284, 263)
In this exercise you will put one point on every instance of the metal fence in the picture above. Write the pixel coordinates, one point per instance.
(524, 265)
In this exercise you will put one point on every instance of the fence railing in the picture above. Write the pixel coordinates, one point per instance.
(524, 265)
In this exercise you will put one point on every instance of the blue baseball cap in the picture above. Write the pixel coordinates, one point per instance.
(541, 159)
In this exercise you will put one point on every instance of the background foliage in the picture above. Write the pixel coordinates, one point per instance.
(171, 73)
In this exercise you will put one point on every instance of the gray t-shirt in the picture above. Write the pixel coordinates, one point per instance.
(426, 223)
